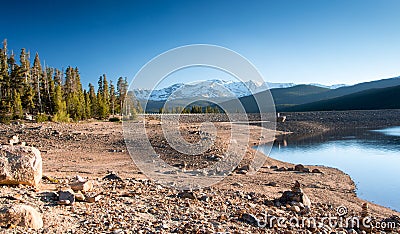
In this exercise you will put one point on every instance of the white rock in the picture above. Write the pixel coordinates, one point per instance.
(82, 186)
(21, 215)
(20, 165)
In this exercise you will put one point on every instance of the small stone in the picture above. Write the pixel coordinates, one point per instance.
(243, 172)
(82, 186)
(14, 140)
(282, 169)
(250, 219)
(50, 179)
(316, 170)
(112, 176)
(79, 196)
(306, 170)
(204, 198)
(273, 184)
(299, 167)
(66, 194)
(364, 212)
(186, 194)
(237, 184)
(93, 199)
(295, 209)
(79, 178)
(64, 202)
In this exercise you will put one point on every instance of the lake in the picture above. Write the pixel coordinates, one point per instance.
(370, 156)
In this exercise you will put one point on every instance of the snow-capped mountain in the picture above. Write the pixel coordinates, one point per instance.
(207, 89)
(335, 86)
(212, 89)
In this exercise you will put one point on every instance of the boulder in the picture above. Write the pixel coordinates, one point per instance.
(20, 215)
(316, 170)
(299, 167)
(296, 194)
(20, 165)
(66, 194)
(82, 186)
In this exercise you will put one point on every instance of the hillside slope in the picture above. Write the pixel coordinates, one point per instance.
(373, 99)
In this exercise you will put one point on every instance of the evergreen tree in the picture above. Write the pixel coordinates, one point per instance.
(88, 105)
(106, 96)
(93, 102)
(60, 107)
(113, 98)
(3, 74)
(44, 91)
(28, 102)
(17, 105)
(122, 89)
(37, 77)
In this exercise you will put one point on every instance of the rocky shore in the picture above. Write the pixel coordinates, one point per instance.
(90, 185)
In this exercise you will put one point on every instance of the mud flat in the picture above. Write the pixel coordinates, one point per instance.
(131, 202)
(301, 123)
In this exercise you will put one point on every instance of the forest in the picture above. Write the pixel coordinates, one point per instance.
(48, 93)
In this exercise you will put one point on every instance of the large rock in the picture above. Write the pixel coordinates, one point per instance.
(20, 165)
(296, 194)
(20, 215)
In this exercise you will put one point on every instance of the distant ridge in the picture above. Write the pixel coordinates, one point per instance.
(372, 99)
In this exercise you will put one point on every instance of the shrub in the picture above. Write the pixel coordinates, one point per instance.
(60, 116)
(114, 119)
(5, 119)
(40, 118)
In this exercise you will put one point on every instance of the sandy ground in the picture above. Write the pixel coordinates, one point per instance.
(93, 149)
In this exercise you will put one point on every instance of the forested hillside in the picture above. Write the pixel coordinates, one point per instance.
(54, 94)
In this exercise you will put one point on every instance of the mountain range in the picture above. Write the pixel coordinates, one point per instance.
(379, 94)
(214, 89)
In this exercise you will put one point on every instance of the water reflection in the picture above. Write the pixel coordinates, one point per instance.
(370, 157)
(395, 131)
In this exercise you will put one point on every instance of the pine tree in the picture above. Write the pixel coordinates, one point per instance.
(93, 102)
(28, 102)
(17, 105)
(15, 86)
(113, 98)
(106, 96)
(37, 77)
(3, 74)
(122, 89)
(88, 105)
(60, 107)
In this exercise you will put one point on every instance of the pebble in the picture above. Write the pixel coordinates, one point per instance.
(66, 195)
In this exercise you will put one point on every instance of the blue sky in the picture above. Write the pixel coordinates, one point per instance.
(307, 41)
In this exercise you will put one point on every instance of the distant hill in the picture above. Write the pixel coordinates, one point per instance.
(372, 99)
(384, 83)
(284, 98)
(298, 94)
(302, 94)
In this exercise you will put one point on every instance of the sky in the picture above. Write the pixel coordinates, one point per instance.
(307, 41)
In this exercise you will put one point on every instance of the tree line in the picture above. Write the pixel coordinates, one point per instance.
(189, 110)
(48, 92)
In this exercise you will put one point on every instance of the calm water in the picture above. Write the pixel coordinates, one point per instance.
(370, 157)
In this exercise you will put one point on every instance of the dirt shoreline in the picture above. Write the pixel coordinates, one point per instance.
(92, 149)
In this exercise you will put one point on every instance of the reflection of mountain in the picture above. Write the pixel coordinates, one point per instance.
(367, 136)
